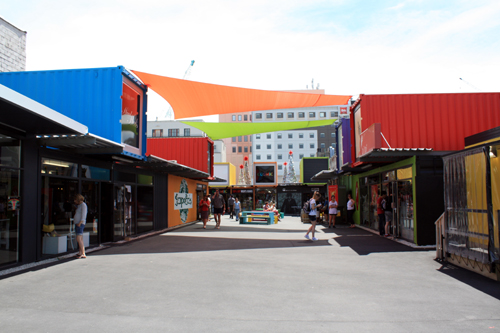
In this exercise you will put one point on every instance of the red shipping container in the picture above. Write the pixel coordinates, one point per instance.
(196, 153)
(437, 121)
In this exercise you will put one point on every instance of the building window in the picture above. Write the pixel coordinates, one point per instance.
(311, 135)
(233, 139)
(257, 157)
(239, 149)
(234, 117)
(157, 133)
(311, 155)
(321, 135)
(311, 145)
(280, 156)
(290, 146)
(322, 114)
(173, 132)
(257, 136)
(268, 146)
(268, 156)
(312, 114)
(258, 116)
(279, 115)
(280, 146)
(187, 132)
(290, 115)
(280, 167)
(245, 138)
(334, 145)
(333, 135)
(322, 145)
(334, 114)
(239, 117)
(234, 149)
(302, 114)
(245, 149)
(245, 117)
(301, 135)
(268, 136)
(239, 139)
(250, 148)
(290, 135)
(301, 146)
(257, 146)
(269, 116)
(301, 156)
(278, 135)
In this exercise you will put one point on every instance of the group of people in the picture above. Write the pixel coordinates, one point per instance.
(219, 208)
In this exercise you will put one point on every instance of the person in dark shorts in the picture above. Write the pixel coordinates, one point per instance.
(230, 204)
(219, 207)
(312, 216)
(80, 219)
(351, 207)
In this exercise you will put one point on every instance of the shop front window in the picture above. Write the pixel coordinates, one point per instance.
(264, 195)
(145, 196)
(10, 201)
(130, 116)
(59, 168)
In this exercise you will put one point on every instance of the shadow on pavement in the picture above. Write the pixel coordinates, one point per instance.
(180, 243)
(364, 242)
(475, 280)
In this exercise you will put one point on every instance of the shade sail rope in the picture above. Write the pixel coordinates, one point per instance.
(217, 131)
(195, 99)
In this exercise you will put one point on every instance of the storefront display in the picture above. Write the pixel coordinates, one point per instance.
(263, 195)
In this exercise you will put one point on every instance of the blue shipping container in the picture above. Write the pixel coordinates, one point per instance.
(90, 96)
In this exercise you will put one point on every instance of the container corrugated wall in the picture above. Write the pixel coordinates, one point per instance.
(437, 121)
(191, 152)
(89, 96)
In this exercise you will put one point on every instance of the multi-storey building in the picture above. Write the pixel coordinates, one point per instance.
(12, 48)
(308, 142)
(172, 128)
(237, 147)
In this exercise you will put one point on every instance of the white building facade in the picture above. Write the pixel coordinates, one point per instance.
(172, 129)
(275, 146)
(219, 151)
(12, 48)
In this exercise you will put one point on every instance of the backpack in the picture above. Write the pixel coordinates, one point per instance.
(307, 206)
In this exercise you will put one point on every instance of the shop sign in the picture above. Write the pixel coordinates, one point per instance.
(289, 190)
(183, 201)
(264, 174)
(246, 191)
(343, 110)
(314, 189)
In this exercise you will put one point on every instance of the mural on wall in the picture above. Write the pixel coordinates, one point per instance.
(183, 201)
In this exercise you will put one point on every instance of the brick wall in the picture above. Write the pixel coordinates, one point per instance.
(12, 48)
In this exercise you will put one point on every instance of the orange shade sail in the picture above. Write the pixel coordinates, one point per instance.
(195, 99)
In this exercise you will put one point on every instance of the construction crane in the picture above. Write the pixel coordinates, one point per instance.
(467, 83)
(187, 74)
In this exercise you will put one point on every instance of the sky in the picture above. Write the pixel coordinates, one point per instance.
(347, 47)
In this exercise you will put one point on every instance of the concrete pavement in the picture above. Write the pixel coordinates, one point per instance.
(251, 278)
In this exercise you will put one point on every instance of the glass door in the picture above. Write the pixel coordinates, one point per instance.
(124, 219)
(405, 209)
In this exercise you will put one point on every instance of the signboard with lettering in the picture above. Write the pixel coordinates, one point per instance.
(265, 174)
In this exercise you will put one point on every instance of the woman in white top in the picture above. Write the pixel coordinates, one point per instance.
(312, 216)
(332, 206)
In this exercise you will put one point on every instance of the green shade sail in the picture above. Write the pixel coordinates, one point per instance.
(217, 131)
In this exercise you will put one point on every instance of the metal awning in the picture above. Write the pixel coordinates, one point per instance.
(324, 175)
(81, 144)
(390, 155)
(24, 115)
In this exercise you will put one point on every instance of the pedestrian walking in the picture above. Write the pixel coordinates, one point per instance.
(205, 209)
(219, 207)
(230, 204)
(80, 219)
(388, 214)
(332, 212)
(237, 209)
(312, 216)
(350, 210)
